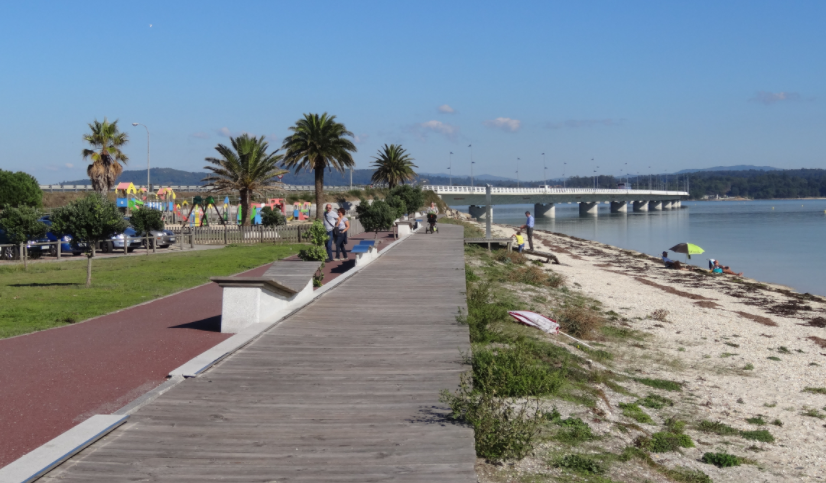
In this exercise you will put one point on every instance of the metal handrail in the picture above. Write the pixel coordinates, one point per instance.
(547, 191)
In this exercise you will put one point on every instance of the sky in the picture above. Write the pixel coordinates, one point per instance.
(618, 87)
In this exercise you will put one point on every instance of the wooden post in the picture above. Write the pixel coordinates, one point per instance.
(59, 248)
(23, 256)
(262, 232)
(147, 244)
(225, 234)
(299, 233)
(192, 238)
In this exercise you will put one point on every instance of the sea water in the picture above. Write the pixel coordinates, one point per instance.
(778, 241)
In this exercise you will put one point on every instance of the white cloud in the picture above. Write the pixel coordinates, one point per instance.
(772, 97)
(70, 165)
(360, 138)
(438, 127)
(445, 109)
(224, 131)
(201, 135)
(504, 123)
(575, 123)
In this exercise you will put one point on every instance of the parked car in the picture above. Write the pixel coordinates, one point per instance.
(118, 241)
(6, 253)
(161, 238)
(65, 247)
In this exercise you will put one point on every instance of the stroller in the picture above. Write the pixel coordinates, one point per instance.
(431, 224)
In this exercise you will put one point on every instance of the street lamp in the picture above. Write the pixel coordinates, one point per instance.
(471, 164)
(450, 168)
(517, 172)
(148, 185)
(564, 169)
(544, 170)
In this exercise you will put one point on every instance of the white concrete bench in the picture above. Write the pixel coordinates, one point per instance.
(366, 251)
(404, 228)
(285, 286)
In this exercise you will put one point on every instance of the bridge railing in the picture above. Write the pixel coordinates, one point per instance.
(480, 190)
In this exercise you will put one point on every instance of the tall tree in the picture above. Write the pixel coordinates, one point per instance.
(318, 142)
(107, 158)
(246, 167)
(393, 166)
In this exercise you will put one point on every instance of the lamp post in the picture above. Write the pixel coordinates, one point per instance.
(517, 172)
(450, 168)
(564, 169)
(148, 185)
(471, 164)
(544, 171)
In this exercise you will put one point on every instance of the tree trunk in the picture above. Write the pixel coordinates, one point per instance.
(245, 208)
(89, 257)
(319, 191)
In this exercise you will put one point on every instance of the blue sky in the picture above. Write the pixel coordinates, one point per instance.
(663, 84)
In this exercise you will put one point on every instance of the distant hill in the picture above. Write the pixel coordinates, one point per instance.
(739, 167)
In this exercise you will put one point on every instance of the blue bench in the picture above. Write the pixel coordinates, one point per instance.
(360, 249)
(365, 251)
(368, 243)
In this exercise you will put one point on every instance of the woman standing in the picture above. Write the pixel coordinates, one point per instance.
(343, 226)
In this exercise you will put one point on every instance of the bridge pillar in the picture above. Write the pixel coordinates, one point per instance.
(640, 206)
(667, 205)
(676, 204)
(655, 205)
(546, 210)
(479, 212)
(588, 208)
(619, 207)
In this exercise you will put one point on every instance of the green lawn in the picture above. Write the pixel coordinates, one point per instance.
(53, 294)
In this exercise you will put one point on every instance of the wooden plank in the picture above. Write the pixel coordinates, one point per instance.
(345, 390)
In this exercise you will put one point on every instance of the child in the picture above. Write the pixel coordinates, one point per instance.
(520, 240)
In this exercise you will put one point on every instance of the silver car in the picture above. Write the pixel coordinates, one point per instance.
(160, 238)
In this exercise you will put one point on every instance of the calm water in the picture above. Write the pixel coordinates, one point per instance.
(773, 241)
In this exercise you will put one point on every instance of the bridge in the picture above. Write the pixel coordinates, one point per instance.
(545, 199)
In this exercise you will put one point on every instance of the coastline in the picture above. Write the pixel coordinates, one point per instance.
(741, 348)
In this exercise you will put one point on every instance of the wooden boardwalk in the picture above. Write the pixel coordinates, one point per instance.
(346, 390)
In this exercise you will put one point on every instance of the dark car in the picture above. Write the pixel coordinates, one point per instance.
(65, 247)
(6, 253)
(117, 241)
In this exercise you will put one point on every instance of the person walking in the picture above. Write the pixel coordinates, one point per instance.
(343, 226)
(330, 220)
(528, 227)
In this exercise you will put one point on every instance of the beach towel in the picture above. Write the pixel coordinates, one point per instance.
(533, 319)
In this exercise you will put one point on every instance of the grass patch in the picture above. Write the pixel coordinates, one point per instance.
(813, 413)
(761, 435)
(579, 464)
(536, 276)
(748, 367)
(579, 320)
(732, 344)
(664, 442)
(777, 423)
(758, 420)
(773, 358)
(721, 460)
(53, 294)
(654, 401)
(717, 427)
(636, 413)
(660, 384)
(815, 390)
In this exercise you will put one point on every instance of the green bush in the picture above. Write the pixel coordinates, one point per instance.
(663, 442)
(375, 216)
(411, 196)
(145, 220)
(573, 431)
(579, 464)
(397, 204)
(270, 217)
(316, 252)
(22, 224)
(18, 190)
(720, 460)
(660, 384)
(514, 372)
(761, 435)
(717, 427)
(502, 430)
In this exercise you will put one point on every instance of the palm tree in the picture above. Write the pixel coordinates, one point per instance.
(318, 143)
(393, 166)
(246, 168)
(107, 158)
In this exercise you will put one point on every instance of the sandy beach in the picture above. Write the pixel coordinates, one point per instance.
(742, 349)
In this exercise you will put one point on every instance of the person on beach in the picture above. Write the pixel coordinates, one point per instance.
(343, 225)
(520, 240)
(528, 227)
(330, 221)
(724, 269)
(669, 263)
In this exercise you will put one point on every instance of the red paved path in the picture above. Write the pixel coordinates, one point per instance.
(54, 379)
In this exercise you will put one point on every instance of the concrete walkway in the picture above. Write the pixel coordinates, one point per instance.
(345, 390)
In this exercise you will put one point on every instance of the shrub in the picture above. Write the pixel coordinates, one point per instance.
(506, 256)
(483, 310)
(815, 390)
(22, 224)
(145, 220)
(376, 216)
(535, 276)
(316, 252)
(579, 321)
(513, 372)
(756, 420)
(270, 217)
(636, 413)
(573, 431)
(88, 220)
(720, 460)
(412, 196)
(502, 430)
(579, 464)
(654, 401)
(18, 190)
(397, 204)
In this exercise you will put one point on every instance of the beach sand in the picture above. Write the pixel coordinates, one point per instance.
(740, 347)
